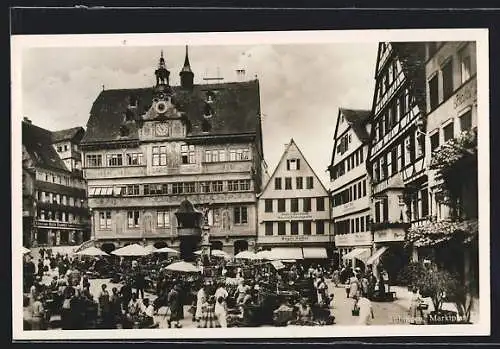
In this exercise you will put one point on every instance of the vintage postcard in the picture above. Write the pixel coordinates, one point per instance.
(250, 185)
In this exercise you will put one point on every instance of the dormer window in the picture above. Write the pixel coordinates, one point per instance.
(207, 111)
(206, 126)
(124, 131)
(133, 101)
(210, 97)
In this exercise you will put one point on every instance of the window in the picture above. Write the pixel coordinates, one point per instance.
(367, 219)
(448, 131)
(105, 220)
(59, 148)
(306, 227)
(447, 72)
(132, 189)
(434, 141)
(402, 106)
(357, 225)
(133, 219)
(94, 160)
(217, 186)
(187, 154)
(320, 228)
(360, 190)
(281, 205)
(377, 211)
(156, 189)
(352, 225)
(433, 92)
(385, 210)
(295, 205)
(177, 188)
(115, 160)
(268, 205)
(425, 203)
(281, 228)
(355, 192)
(465, 66)
(307, 204)
(269, 228)
(466, 121)
(163, 219)
(361, 156)
(408, 150)
(288, 183)
(294, 228)
(298, 183)
(238, 185)
(134, 159)
(394, 161)
(309, 182)
(277, 183)
(320, 204)
(362, 224)
(240, 215)
(189, 187)
(293, 164)
(160, 156)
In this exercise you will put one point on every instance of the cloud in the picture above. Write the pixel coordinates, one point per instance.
(302, 86)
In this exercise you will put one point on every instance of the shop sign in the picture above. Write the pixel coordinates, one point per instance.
(294, 215)
(389, 235)
(293, 238)
(466, 95)
(353, 239)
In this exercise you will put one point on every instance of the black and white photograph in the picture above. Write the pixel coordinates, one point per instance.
(246, 185)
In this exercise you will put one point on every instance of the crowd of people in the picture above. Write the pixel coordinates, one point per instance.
(224, 294)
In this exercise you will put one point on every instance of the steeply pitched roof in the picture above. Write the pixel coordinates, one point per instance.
(75, 134)
(283, 158)
(38, 144)
(357, 119)
(235, 110)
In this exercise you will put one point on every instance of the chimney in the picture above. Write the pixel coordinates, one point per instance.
(26, 120)
(240, 74)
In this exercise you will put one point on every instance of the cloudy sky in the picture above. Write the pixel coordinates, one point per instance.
(302, 86)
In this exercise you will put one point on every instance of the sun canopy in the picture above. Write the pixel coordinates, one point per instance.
(131, 250)
(286, 253)
(314, 253)
(182, 267)
(165, 250)
(92, 251)
(264, 254)
(359, 253)
(376, 255)
(245, 255)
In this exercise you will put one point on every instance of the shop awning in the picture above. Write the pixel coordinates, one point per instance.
(376, 255)
(281, 253)
(359, 253)
(314, 253)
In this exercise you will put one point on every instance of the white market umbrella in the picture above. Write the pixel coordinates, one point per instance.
(150, 248)
(220, 253)
(245, 255)
(263, 254)
(165, 250)
(26, 250)
(198, 253)
(131, 250)
(182, 267)
(92, 251)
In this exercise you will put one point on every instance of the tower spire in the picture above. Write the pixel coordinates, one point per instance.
(162, 74)
(186, 73)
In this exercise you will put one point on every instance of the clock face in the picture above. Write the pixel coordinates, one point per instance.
(162, 129)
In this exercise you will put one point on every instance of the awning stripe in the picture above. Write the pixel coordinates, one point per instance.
(359, 253)
(314, 252)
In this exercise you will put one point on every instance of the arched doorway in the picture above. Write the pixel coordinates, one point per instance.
(160, 244)
(108, 247)
(216, 245)
(240, 245)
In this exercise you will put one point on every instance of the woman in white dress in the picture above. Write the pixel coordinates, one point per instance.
(201, 298)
